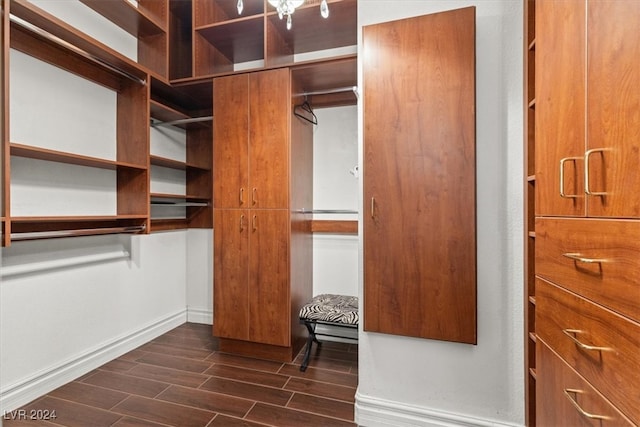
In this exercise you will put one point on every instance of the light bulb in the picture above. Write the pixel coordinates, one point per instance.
(240, 7)
(324, 9)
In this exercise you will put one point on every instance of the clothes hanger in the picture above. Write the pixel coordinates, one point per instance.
(306, 108)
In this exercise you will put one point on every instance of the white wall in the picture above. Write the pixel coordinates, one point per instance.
(418, 382)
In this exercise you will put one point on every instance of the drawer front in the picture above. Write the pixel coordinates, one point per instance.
(602, 346)
(562, 396)
(598, 259)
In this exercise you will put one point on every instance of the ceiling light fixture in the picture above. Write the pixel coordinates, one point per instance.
(287, 7)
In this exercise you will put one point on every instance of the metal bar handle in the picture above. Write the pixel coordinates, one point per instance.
(373, 208)
(571, 334)
(580, 258)
(254, 199)
(241, 195)
(562, 193)
(241, 223)
(254, 223)
(587, 188)
(574, 402)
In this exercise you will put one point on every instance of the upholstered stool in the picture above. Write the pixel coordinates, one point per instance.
(330, 310)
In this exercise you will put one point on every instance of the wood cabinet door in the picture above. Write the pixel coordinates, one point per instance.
(560, 107)
(613, 108)
(269, 138)
(231, 142)
(564, 397)
(419, 177)
(269, 293)
(231, 273)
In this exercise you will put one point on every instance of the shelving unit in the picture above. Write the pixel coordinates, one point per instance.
(47, 39)
(529, 193)
(193, 208)
(224, 41)
(148, 22)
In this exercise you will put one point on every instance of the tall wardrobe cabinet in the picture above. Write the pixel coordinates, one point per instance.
(587, 208)
(262, 186)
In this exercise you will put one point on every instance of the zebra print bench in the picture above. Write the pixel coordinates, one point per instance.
(329, 310)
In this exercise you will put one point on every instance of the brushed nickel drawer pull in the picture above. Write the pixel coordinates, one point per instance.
(254, 199)
(578, 257)
(241, 195)
(562, 193)
(255, 222)
(373, 208)
(571, 333)
(241, 223)
(568, 392)
(587, 155)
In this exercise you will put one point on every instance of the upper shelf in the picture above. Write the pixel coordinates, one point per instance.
(328, 84)
(138, 21)
(21, 150)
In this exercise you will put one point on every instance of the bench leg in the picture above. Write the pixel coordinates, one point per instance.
(310, 340)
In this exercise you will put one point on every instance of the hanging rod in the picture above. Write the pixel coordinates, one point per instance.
(37, 235)
(353, 89)
(327, 211)
(24, 24)
(178, 204)
(181, 121)
(16, 270)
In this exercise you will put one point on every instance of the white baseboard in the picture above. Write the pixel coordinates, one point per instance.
(197, 315)
(25, 391)
(374, 412)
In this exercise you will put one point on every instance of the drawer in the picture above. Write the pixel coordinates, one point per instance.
(599, 344)
(561, 395)
(598, 259)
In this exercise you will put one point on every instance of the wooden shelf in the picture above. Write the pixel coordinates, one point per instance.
(532, 299)
(333, 226)
(532, 373)
(21, 150)
(167, 224)
(531, 178)
(328, 76)
(532, 103)
(137, 21)
(532, 234)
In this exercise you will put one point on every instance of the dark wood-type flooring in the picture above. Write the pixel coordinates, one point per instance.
(180, 379)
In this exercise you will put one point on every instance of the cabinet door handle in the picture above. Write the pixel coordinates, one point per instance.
(562, 193)
(241, 195)
(587, 188)
(254, 198)
(373, 208)
(571, 333)
(569, 392)
(254, 222)
(578, 257)
(241, 223)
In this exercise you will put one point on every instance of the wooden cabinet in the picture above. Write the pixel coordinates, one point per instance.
(419, 177)
(262, 180)
(5, 230)
(587, 210)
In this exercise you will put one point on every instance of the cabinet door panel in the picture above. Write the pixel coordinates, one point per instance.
(231, 273)
(231, 142)
(560, 107)
(553, 405)
(269, 280)
(419, 177)
(269, 136)
(613, 106)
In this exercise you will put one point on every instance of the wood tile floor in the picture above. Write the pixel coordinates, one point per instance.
(180, 379)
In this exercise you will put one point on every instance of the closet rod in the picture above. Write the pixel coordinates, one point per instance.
(37, 235)
(24, 24)
(327, 211)
(181, 121)
(353, 89)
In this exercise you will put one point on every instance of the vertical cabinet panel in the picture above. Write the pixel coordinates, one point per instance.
(419, 177)
(269, 117)
(613, 108)
(560, 113)
(231, 273)
(269, 277)
(231, 143)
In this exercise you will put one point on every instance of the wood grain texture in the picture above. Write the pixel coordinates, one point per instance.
(553, 407)
(614, 372)
(419, 182)
(613, 282)
(613, 107)
(334, 226)
(560, 106)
